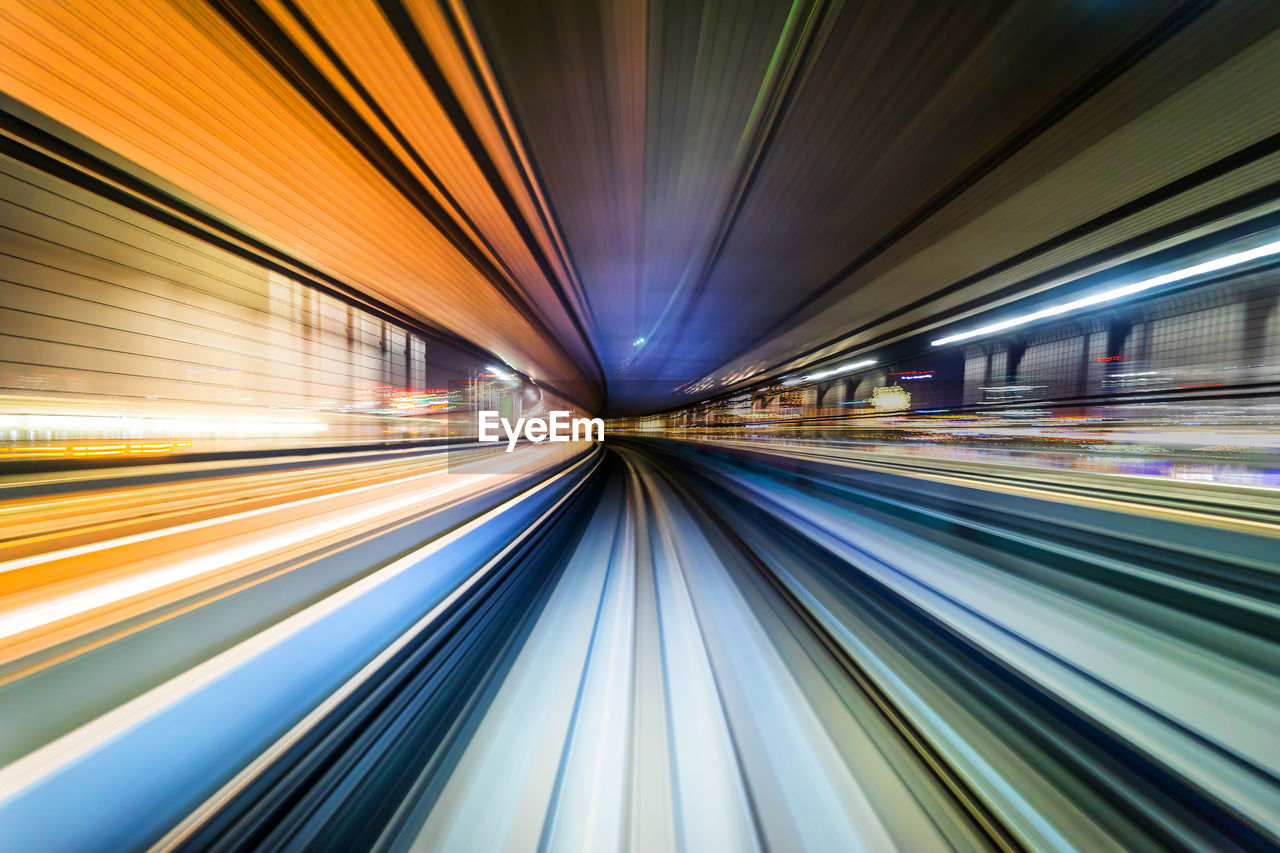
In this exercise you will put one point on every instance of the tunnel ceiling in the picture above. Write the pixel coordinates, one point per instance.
(664, 198)
(730, 174)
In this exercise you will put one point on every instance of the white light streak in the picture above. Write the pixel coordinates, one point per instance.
(1214, 265)
(844, 368)
(132, 426)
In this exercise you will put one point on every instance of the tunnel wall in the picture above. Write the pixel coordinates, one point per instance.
(1222, 336)
(115, 327)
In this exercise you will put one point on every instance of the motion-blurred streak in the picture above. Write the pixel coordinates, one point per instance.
(344, 204)
(274, 684)
(1070, 678)
(678, 645)
(661, 696)
(84, 569)
(202, 562)
(1096, 482)
(692, 644)
(1144, 667)
(938, 509)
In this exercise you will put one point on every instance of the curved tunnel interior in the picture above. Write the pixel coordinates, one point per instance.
(658, 425)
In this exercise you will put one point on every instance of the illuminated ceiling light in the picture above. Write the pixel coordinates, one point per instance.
(844, 368)
(1224, 262)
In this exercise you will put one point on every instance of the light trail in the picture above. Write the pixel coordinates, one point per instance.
(835, 582)
(688, 660)
(177, 530)
(1114, 294)
(28, 618)
(80, 583)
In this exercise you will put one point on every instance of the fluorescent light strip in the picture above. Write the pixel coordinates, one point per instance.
(836, 371)
(1224, 262)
